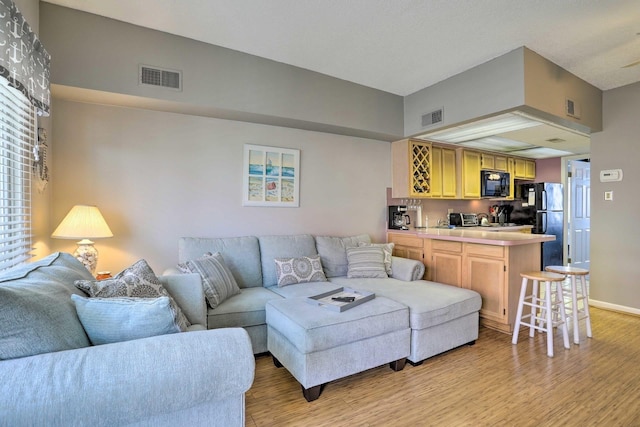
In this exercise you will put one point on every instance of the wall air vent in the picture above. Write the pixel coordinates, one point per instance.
(433, 118)
(572, 108)
(162, 77)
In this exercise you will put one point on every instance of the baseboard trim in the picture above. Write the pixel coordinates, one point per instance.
(614, 307)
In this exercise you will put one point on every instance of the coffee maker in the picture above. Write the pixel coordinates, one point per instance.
(398, 218)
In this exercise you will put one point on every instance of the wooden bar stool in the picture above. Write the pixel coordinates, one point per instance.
(578, 293)
(551, 307)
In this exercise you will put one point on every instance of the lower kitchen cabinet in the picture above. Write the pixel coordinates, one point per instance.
(445, 261)
(491, 270)
(407, 246)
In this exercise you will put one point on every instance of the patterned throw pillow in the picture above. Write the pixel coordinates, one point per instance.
(218, 282)
(290, 271)
(109, 320)
(388, 251)
(366, 261)
(140, 281)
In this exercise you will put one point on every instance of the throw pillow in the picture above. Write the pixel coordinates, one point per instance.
(333, 252)
(218, 282)
(290, 271)
(140, 281)
(388, 252)
(109, 320)
(366, 261)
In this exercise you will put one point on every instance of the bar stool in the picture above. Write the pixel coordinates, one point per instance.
(578, 293)
(551, 307)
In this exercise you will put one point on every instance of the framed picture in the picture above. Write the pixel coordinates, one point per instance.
(271, 176)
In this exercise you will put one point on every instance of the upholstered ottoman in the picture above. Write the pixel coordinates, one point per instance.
(318, 345)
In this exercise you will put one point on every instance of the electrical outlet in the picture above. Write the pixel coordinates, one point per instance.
(608, 195)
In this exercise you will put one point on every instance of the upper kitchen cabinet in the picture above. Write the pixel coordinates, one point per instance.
(443, 174)
(524, 169)
(412, 168)
(493, 162)
(470, 165)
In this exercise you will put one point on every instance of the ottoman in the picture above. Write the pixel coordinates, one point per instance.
(317, 345)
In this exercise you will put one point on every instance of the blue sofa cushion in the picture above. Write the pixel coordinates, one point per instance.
(109, 320)
(245, 310)
(241, 255)
(36, 312)
(272, 247)
(333, 252)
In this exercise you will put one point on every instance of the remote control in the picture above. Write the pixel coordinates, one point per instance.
(344, 299)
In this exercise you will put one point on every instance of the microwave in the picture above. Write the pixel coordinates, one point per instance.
(494, 184)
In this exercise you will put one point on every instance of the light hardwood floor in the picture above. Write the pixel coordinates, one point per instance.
(492, 383)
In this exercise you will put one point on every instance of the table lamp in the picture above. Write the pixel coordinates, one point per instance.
(84, 222)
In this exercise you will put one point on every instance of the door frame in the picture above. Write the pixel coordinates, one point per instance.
(564, 170)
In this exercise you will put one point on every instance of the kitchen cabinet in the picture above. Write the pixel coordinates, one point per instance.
(411, 164)
(444, 263)
(443, 174)
(407, 246)
(488, 161)
(500, 163)
(470, 174)
(491, 270)
(493, 162)
(511, 168)
(524, 169)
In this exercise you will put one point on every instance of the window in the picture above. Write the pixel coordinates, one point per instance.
(17, 138)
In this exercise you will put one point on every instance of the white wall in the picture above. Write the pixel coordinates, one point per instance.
(158, 176)
(615, 234)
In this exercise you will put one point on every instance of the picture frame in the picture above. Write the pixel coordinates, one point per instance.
(271, 176)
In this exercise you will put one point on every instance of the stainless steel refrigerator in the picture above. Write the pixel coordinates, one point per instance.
(543, 207)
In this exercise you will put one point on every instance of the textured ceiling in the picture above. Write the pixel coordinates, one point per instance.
(401, 46)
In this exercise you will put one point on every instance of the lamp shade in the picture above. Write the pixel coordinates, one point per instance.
(83, 222)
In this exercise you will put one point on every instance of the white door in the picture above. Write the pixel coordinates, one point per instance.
(579, 213)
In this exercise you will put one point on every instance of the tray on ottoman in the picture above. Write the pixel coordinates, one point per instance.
(327, 300)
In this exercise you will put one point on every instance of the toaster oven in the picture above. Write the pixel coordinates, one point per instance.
(463, 219)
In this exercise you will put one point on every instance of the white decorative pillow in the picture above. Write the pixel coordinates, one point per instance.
(388, 252)
(217, 280)
(140, 281)
(290, 271)
(109, 320)
(366, 261)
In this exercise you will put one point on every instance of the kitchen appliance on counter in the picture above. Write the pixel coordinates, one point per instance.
(398, 218)
(543, 207)
(458, 219)
(494, 184)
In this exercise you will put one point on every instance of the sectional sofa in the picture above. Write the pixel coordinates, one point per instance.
(50, 375)
(440, 317)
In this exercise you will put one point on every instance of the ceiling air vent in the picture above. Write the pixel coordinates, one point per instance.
(162, 77)
(432, 118)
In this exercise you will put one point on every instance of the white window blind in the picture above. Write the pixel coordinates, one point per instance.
(17, 138)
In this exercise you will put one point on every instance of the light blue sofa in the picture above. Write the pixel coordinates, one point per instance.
(441, 317)
(51, 376)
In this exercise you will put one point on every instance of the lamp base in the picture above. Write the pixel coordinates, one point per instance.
(87, 254)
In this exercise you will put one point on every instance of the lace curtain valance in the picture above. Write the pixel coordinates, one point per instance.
(24, 62)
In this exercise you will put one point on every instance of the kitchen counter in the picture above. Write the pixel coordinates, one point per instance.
(486, 261)
(480, 235)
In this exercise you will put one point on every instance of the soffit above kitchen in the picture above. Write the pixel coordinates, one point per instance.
(517, 134)
(520, 103)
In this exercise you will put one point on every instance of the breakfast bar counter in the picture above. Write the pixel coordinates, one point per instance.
(489, 262)
(477, 235)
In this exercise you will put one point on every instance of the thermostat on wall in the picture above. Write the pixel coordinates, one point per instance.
(611, 175)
